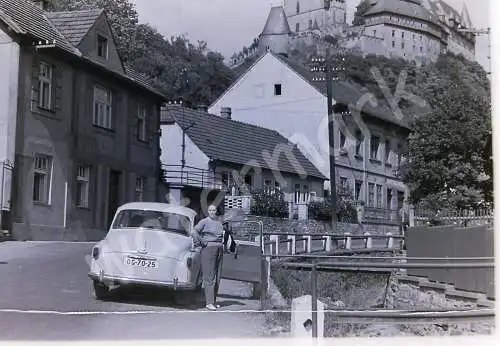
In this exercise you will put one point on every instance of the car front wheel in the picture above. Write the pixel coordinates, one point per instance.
(101, 291)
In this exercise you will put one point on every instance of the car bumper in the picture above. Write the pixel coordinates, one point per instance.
(125, 281)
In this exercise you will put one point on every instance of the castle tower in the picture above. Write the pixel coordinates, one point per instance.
(328, 16)
(276, 33)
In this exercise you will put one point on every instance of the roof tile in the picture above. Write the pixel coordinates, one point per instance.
(74, 25)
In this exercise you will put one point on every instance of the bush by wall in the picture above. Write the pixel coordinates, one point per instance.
(269, 203)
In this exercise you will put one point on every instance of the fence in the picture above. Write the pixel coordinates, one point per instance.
(465, 217)
(192, 176)
(454, 241)
(391, 316)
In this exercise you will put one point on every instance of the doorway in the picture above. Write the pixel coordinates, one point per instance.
(114, 195)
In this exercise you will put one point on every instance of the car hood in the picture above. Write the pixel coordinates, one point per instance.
(148, 242)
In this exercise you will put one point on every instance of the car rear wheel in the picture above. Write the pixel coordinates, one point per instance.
(102, 292)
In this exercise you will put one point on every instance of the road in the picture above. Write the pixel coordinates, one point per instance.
(45, 294)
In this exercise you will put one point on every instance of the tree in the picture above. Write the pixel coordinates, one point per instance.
(446, 165)
(361, 9)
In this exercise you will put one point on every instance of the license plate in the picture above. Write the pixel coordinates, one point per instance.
(141, 262)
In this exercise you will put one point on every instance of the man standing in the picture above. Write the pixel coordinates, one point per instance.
(209, 233)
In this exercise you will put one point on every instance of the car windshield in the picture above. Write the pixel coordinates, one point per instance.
(152, 219)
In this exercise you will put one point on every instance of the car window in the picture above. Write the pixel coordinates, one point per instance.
(151, 219)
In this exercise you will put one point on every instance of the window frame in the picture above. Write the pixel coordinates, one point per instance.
(44, 192)
(85, 181)
(103, 121)
(101, 39)
(45, 80)
(141, 121)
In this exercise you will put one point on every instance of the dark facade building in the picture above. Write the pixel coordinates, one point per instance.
(84, 136)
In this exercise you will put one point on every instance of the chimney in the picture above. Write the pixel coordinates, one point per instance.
(225, 112)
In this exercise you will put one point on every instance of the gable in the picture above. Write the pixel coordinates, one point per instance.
(256, 86)
(74, 25)
(90, 45)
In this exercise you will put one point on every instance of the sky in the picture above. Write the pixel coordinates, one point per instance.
(229, 25)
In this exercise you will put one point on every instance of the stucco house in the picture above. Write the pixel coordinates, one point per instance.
(278, 93)
(78, 127)
(205, 153)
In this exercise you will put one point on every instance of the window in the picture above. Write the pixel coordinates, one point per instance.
(379, 196)
(387, 149)
(45, 85)
(42, 179)
(342, 139)
(393, 33)
(393, 44)
(102, 47)
(421, 49)
(357, 189)
(359, 140)
(298, 7)
(82, 186)
(277, 89)
(343, 182)
(139, 189)
(310, 23)
(402, 45)
(297, 27)
(403, 34)
(102, 107)
(374, 32)
(389, 198)
(371, 194)
(141, 123)
(374, 144)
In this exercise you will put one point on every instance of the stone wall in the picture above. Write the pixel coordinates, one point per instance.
(245, 230)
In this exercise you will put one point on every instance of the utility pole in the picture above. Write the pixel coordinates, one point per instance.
(326, 66)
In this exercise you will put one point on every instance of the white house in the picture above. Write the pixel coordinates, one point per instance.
(278, 93)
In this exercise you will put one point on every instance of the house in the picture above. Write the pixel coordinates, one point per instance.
(79, 128)
(278, 93)
(203, 152)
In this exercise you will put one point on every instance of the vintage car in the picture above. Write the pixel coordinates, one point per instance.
(148, 244)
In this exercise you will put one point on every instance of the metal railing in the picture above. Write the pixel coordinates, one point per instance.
(385, 314)
(192, 176)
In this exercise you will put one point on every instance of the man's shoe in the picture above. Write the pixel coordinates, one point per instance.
(211, 307)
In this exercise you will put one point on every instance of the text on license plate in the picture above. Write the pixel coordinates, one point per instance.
(141, 262)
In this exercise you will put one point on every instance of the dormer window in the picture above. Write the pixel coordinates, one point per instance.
(102, 46)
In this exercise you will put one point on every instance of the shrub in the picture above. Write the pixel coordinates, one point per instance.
(346, 210)
(269, 203)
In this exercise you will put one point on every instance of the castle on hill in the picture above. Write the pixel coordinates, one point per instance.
(414, 30)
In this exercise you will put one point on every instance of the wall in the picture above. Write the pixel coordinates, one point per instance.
(171, 148)
(452, 241)
(252, 100)
(9, 79)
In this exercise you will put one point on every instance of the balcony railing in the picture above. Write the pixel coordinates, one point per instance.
(192, 176)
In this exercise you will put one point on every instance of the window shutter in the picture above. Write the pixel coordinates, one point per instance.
(57, 89)
(35, 84)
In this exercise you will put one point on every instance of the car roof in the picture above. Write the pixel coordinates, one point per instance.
(163, 207)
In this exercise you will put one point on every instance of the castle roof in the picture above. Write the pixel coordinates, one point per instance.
(440, 7)
(277, 23)
(408, 8)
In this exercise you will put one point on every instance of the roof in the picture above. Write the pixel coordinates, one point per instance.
(25, 18)
(239, 143)
(440, 7)
(344, 93)
(33, 21)
(164, 207)
(407, 8)
(277, 23)
(74, 25)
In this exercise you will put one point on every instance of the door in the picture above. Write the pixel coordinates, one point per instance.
(114, 195)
